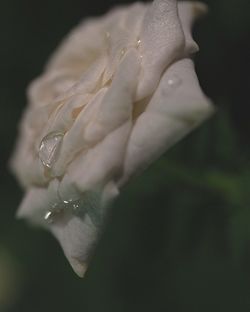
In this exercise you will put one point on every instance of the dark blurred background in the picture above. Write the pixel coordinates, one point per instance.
(178, 239)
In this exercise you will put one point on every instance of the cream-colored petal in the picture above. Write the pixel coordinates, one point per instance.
(102, 162)
(49, 86)
(117, 104)
(134, 17)
(188, 13)
(63, 118)
(88, 82)
(81, 47)
(123, 37)
(37, 201)
(109, 109)
(74, 141)
(74, 230)
(119, 39)
(114, 17)
(77, 236)
(176, 108)
(162, 42)
(24, 162)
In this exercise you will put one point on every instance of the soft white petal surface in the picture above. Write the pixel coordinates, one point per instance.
(173, 111)
(162, 42)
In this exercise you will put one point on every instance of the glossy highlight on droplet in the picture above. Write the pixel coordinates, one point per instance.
(53, 213)
(48, 216)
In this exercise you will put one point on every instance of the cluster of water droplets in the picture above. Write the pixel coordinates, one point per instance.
(57, 209)
(49, 152)
(88, 203)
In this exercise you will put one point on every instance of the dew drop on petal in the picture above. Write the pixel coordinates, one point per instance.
(66, 202)
(48, 217)
(122, 53)
(71, 204)
(49, 148)
(75, 206)
(174, 82)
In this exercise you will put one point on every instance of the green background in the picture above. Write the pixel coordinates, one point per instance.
(178, 238)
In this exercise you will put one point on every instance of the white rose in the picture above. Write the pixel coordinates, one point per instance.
(119, 92)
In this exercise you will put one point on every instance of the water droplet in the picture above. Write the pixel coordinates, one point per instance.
(49, 148)
(51, 215)
(48, 216)
(122, 52)
(71, 204)
(76, 206)
(66, 202)
(174, 81)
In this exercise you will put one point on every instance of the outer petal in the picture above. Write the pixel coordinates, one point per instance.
(109, 111)
(76, 236)
(75, 231)
(47, 87)
(188, 13)
(162, 42)
(102, 162)
(37, 201)
(123, 36)
(117, 104)
(175, 109)
(81, 48)
(73, 141)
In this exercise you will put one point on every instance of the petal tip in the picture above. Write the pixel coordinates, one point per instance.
(78, 266)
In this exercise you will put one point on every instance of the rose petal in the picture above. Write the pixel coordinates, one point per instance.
(188, 13)
(80, 49)
(162, 42)
(117, 104)
(105, 161)
(37, 201)
(107, 112)
(76, 236)
(173, 111)
(123, 37)
(73, 141)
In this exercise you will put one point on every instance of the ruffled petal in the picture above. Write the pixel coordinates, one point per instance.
(162, 42)
(176, 108)
(76, 235)
(188, 13)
